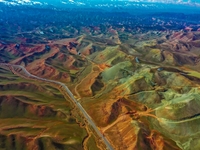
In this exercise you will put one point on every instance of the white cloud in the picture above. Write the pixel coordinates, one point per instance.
(21, 2)
(63, 2)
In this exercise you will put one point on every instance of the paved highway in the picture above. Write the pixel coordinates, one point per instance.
(78, 105)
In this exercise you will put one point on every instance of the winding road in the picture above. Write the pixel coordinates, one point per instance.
(65, 88)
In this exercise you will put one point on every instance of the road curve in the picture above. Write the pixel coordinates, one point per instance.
(78, 105)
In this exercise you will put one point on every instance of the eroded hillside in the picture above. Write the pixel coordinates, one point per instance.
(141, 88)
(36, 115)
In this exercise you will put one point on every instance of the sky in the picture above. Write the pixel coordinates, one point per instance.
(84, 2)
